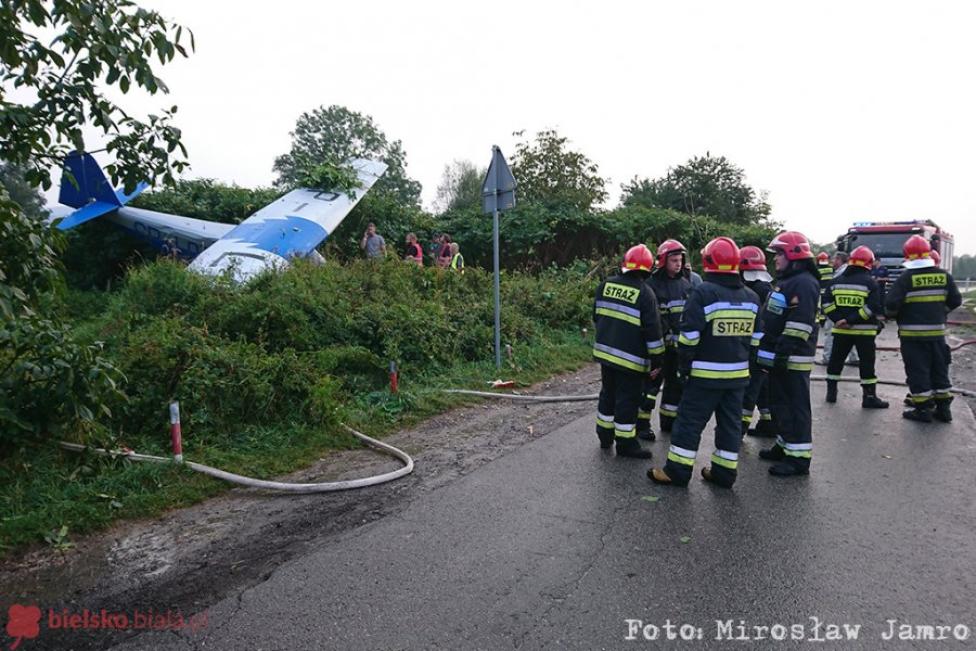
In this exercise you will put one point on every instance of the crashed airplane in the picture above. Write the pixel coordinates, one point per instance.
(290, 227)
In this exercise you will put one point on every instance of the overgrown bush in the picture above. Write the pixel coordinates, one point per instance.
(294, 347)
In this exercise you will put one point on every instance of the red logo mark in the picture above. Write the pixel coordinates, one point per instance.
(24, 622)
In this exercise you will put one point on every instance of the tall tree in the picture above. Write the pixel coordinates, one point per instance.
(96, 46)
(27, 196)
(460, 186)
(47, 380)
(549, 173)
(705, 185)
(333, 135)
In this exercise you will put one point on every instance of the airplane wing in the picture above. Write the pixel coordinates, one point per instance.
(290, 227)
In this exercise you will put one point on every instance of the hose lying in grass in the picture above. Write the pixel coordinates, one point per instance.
(323, 487)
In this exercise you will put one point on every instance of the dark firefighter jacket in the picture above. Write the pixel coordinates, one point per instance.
(920, 299)
(789, 321)
(671, 294)
(762, 289)
(716, 331)
(628, 327)
(854, 297)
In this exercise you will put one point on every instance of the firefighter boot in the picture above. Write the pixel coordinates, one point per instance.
(632, 448)
(789, 469)
(764, 429)
(920, 414)
(723, 478)
(942, 412)
(870, 399)
(831, 391)
(775, 453)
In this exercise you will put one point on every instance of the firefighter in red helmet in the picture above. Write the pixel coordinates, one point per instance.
(787, 346)
(920, 299)
(713, 349)
(853, 303)
(755, 276)
(670, 284)
(629, 346)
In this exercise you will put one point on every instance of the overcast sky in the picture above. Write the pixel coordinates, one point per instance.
(842, 111)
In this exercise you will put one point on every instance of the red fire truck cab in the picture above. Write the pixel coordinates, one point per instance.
(887, 238)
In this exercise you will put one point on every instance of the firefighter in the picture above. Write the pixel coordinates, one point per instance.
(920, 299)
(713, 351)
(787, 345)
(629, 345)
(853, 302)
(825, 270)
(752, 267)
(671, 284)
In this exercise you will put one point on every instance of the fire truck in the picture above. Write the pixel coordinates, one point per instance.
(887, 238)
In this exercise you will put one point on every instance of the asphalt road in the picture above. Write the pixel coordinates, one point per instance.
(556, 545)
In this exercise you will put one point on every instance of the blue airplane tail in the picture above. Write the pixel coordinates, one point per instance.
(84, 186)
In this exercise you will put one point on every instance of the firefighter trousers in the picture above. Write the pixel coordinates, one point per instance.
(698, 402)
(756, 395)
(866, 353)
(927, 369)
(620, 396)
(789, 400)
(667, 385)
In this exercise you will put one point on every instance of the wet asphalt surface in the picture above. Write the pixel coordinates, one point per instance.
(557, 544)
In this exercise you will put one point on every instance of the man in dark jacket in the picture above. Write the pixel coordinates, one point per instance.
(920, 299)
(786, 349)
(629, 347)
(714, 345)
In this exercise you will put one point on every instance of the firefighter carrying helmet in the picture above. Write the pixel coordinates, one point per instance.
(637, 258)
(666, 248)
(793, 244)
(862, 256)
(721, 256)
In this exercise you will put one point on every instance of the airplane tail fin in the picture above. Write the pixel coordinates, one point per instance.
(84, 186)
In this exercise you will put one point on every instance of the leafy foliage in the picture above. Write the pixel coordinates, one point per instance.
(964, 266)
(297, 347)
(705, 185)
(48, 382)
(460, 187)
(96, 45)
(333, 135)
(548, 173)
(27, 196)
(207, 199)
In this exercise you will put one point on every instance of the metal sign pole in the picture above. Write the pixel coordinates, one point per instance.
(498, 304)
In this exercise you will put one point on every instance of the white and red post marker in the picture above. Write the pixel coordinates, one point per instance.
(174, 429)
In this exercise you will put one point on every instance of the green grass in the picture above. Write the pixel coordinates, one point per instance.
(43, 488)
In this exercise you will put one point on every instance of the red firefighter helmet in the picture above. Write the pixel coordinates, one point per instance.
(721, 256)
(823, 258)
(935, 257)
(795, 245)
(862, 256)
(916, 247)
(752, 258)
(666, 248)
(637, 258)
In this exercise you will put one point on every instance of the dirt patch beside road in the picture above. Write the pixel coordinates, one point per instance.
(192, 557)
